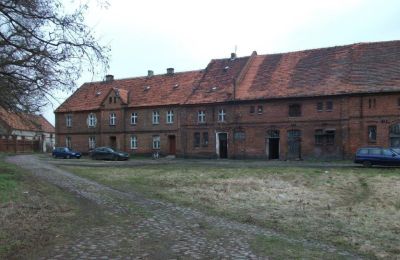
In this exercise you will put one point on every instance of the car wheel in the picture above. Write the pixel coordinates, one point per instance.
(367, 164)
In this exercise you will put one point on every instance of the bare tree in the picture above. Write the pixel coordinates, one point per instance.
(44, 48)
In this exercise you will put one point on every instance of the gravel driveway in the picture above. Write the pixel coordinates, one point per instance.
(171, 231)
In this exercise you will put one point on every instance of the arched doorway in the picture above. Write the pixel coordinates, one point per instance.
(272, 147)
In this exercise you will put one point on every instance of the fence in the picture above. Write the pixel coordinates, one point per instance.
(14, 145)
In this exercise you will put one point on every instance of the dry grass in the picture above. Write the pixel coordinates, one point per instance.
(351, 208)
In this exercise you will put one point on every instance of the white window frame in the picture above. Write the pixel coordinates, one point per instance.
(221, 115)
(170, 117)
(68, 142)
(92, 142)
(156, 142)
(91, 120)
(134, 118)
(156, 117)
(113, 118)
(201, 116)
(134, 143)
(68, 120)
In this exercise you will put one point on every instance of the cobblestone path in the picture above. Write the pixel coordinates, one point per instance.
(168, 232)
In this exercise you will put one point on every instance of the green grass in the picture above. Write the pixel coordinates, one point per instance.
(352, 208)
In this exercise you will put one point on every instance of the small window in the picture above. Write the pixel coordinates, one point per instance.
(134, 118)
(398, 102)
(329, 105)
(221, 115)
(196, 139)
(252, 110)
(134, 143)
(113, 118)
(319, 136)
(69, 121)
(294, 110)
(170, 117)
(372, 133)
(156, 117)
(201, 116)
(371, 103)
(205, 139)
(92, 142)
(110, 100)
(259, 109)
(115, 100)
(156, 142)
(68, 142)
(91, 120)
(320, 106)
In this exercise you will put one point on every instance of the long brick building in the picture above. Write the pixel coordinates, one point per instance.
(314, 103)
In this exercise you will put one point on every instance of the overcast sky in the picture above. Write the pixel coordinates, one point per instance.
(186, 34)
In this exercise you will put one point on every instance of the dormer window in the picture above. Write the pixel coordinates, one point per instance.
(201, 116)
(91, 120)
(113, 118)
(156, 117)
(221, 115)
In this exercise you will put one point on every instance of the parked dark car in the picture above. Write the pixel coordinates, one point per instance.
(65, 152)
(369, 156)
(107, 153)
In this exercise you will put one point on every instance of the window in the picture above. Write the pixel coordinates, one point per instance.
(134, 118)
(205, 139)
(156, 117)
(252, 109)
(221, 115)
(201, 116)
(115, 99)
(330, 137)
(68, 142)
(320, 106)
(372, 133)
(110, 100)
(170, 117)
(324, 137)
(92, 120)
(387, 152)
(375, 151)
(398, 102)
(133, 142)
(113, 118)
(156, 142)
(68, 120)
(92, 142)
(196, 139)
(371, 103)
(319, 136)
(329, 105)
(259, 109)
(294, 110)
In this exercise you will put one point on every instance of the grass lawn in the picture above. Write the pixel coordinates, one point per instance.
(35, 215)
(352, 208)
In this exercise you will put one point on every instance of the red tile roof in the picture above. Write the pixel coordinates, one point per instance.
(156, 90)
(26, 122)
(356, 68)
(217, 82)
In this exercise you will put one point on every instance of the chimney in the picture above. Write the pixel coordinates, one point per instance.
(150, 73)
(170, 71)
(233, 55)
(109, 78)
